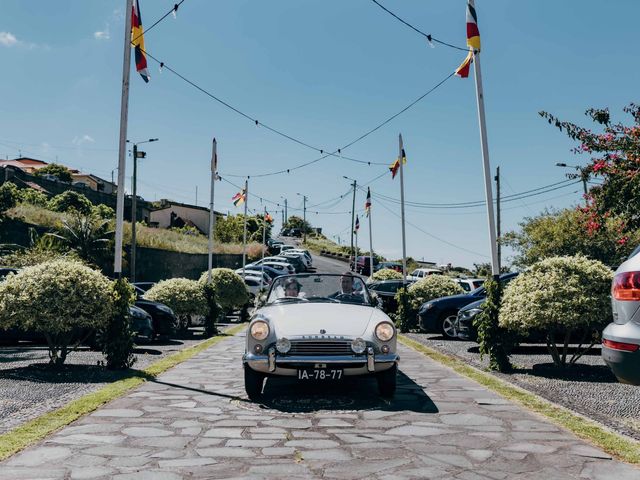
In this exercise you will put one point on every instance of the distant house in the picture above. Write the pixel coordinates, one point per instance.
(174, 214)
(94, 182)
(29, 165)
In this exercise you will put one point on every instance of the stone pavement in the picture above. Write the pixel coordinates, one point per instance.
(195, 422)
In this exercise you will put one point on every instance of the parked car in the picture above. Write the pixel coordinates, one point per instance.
(271, 272)
(274, 247)
(319, 328)
(296, 232)
(390, 265)
(469, 284)
(163, 318)
(386, 290)
(439, 315)
(277, 263)
(464, 322)
(299, 260)
(257, 272)
(362, 265)
(621, 338)
(420, 273)
(141, 323)
(304, 252)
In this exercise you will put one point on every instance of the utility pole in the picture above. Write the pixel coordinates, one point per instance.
(304, 218)
(497, 179)
(134, 204)
(401, 158)
(212, 215)
(353, 216)
(244, 232)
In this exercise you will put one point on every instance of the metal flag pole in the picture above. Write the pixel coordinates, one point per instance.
(404, 243)
(355, 259)
(370, 240)
(495, 270)
(264, 243)
(122, 147)
(212, 216)
(244, 233)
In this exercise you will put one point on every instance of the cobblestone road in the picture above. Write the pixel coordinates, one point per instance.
(195, 422)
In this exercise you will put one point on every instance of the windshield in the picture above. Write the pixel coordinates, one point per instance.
(347, 288)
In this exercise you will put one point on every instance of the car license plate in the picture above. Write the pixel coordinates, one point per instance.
(320, 374)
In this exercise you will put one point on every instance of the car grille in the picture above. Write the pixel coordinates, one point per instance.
(320, 348)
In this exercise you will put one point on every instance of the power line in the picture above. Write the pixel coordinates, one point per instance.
(428, 36)
(323, 152)
(173, 10)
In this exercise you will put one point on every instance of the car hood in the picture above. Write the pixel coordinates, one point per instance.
(473, 305)
(460, 299)
(299, 319)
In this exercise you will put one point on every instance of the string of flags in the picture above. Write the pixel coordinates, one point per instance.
(239, 198)
(473, 41)
(268, 218)
(395, 166)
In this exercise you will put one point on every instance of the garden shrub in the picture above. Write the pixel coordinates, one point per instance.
(428, 288)
(9, 196)
(103, 211)
(185, 297)
(386, 274)
(213, 311)
(33, 197)
(494, 340)
(117, 337)
(231, 292)
(71, 200)
(567, 298)
(60, 299)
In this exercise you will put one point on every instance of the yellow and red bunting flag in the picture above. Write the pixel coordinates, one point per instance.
(463, 70)
(357, 227)
(367, 203)
(137, 40)
(239, 198)
(268, 217)
(395, 166)
(473, 34)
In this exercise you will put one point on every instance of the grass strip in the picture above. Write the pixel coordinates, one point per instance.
(35, 430)
(616, 445)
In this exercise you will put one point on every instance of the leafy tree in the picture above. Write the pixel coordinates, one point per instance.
(568, 298)
(614, 153)
(71, 200)
(33, 197)
(565, 233)
(56, 298)
(8, 197)
(185, 297)
(60, 171)
(231, 229)
(103, 211)
(297, 222)
(86, 236)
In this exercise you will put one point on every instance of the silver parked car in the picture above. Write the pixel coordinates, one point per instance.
(320, 327)
(621, 339)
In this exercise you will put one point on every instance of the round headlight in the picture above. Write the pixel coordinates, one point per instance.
(385, 331)
(358, 345)
(259, 330)
(283, 345)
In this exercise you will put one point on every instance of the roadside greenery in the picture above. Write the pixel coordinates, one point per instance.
(386, 274)
(229, 288)
(116, 336)
(61, 299)
(568, 298)
(8, 197)
(185, 297)
(424, 290)
(494, 341)
(230, 229)
(70, 200)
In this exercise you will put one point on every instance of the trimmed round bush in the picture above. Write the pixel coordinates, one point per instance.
(9, 196)
(57, 298)
(185, 297)
(386, 274)
(103, 211)
(71, 200)
(229, 288)
(430, 287)
(567, 298)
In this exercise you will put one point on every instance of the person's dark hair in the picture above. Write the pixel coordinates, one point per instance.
(292, 281)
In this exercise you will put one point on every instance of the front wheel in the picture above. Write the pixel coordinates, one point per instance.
(449, 326)
(253, 382)
(387, 381)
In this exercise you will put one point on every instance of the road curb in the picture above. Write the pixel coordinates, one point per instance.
(615, 444)
(42, 426)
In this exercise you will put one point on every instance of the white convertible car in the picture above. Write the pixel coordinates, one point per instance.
(320, 328)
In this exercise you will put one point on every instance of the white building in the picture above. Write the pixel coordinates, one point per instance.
(175, 214)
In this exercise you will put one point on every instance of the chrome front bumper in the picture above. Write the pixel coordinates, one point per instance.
(288, 365)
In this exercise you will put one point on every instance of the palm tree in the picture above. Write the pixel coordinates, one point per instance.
(87, 236)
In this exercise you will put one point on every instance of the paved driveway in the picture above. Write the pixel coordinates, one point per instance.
(195, 422)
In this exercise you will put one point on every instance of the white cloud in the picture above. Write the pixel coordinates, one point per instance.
(103, 35)
(81, 140)
(8, 39)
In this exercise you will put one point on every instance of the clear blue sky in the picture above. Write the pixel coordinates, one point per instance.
(324, 72)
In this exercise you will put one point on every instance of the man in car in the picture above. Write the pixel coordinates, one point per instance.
(347, 291)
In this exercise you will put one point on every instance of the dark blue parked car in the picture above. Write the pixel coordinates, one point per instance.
(439, 315)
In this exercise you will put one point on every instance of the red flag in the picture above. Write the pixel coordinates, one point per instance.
(137, 39)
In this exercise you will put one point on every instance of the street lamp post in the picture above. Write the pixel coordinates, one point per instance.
(134, 204)
(583, 175)
(353, 214)
(304, 217)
